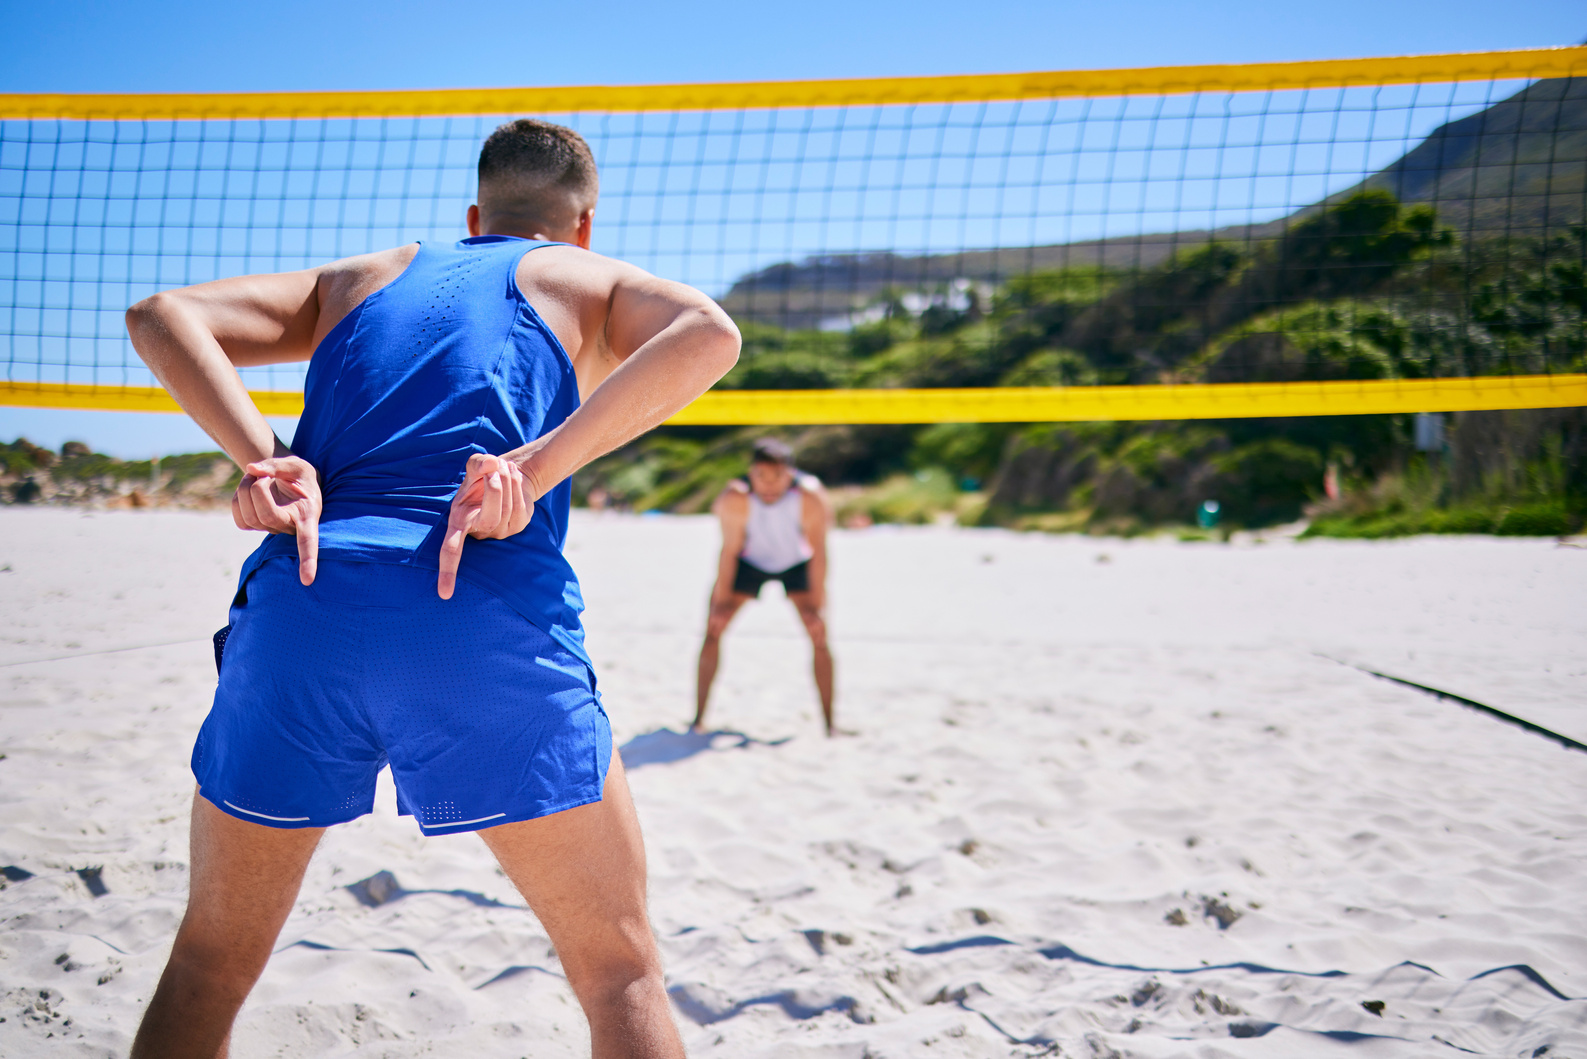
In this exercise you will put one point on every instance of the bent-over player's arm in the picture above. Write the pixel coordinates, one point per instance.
(731, 509)
(816, 515)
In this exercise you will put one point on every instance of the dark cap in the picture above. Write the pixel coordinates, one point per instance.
(770, 450)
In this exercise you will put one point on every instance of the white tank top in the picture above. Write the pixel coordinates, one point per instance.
(774, 539)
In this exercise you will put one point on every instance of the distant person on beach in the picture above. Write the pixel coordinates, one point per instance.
(774, 528)
(452, 389)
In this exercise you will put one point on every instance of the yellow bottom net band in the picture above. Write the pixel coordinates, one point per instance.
(1036, 404)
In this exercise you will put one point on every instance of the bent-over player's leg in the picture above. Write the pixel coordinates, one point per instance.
(815, 624)
(711, 651)
(583, 873)
(243, 881)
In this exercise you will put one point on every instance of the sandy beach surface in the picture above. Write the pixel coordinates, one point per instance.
(1107, 798)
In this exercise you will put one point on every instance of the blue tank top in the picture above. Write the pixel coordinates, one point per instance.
(447, 360)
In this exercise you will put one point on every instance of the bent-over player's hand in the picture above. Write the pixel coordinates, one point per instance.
(282, 495)
(493, 501)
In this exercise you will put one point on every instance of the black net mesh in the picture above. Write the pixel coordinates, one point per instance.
(1370, 232)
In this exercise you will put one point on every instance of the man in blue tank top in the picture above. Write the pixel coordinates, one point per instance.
(412, 606)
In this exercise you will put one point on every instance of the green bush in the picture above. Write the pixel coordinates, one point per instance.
(967, 450)
(1267, 481)
(1548, 519)
(1535, 520)
(21, 456)
(915, 499)
(1464, 520)
(784, 371)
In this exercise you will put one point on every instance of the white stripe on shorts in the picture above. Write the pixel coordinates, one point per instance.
(460, 823)
(267, 816)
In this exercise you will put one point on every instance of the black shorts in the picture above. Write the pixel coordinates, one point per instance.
(749, 578)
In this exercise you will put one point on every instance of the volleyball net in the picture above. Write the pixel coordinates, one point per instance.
(1354, 236)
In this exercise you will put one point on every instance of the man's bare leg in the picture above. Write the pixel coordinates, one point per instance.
(815, 624)
(711, 652)
(244, 879)
(583, 873)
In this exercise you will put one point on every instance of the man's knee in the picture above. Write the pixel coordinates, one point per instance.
(217, 967)
(622, 964)
(815, 625)
(717, 622)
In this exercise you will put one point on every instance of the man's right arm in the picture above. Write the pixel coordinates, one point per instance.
(193, 339)
(732, 512)
(660, 345)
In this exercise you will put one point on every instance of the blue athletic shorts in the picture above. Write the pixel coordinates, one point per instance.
(484, 719)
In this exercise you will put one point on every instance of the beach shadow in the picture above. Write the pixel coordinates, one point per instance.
(704, 1005)
(382, 888)
(320, 947)
(517, 969)
(664, 745)
(1065, 953)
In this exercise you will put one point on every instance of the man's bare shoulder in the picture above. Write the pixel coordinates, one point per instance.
(815, 494)
(343, 284)
(816, 505)
(349, 280)
(571, 269)
(733, 500)
(396, 259)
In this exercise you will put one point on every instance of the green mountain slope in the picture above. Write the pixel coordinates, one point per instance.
(1517, 167)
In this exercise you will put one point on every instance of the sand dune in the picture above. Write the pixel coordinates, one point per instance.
(1107, 798)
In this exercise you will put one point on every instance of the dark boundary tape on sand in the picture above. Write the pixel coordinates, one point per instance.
(1563, 740)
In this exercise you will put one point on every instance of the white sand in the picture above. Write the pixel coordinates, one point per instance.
(1056, 753)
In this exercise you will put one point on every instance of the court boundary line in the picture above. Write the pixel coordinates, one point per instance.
(1536, 729)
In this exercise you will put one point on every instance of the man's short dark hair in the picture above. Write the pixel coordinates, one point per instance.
(770, 450)
(536, 172)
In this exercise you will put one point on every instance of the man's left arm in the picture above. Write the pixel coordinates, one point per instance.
(670, 343)
(816, 516)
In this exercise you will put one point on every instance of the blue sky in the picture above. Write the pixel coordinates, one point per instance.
(118, 47)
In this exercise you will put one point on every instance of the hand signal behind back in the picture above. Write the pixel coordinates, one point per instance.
(493, 501)
(282, 495)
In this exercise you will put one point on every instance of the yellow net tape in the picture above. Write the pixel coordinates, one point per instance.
(1036, 404)
(970, 88)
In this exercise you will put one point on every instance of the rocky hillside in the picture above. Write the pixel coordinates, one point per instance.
(31, 474)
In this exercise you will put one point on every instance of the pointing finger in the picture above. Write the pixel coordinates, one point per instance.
(451, 558)
(308, 548)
